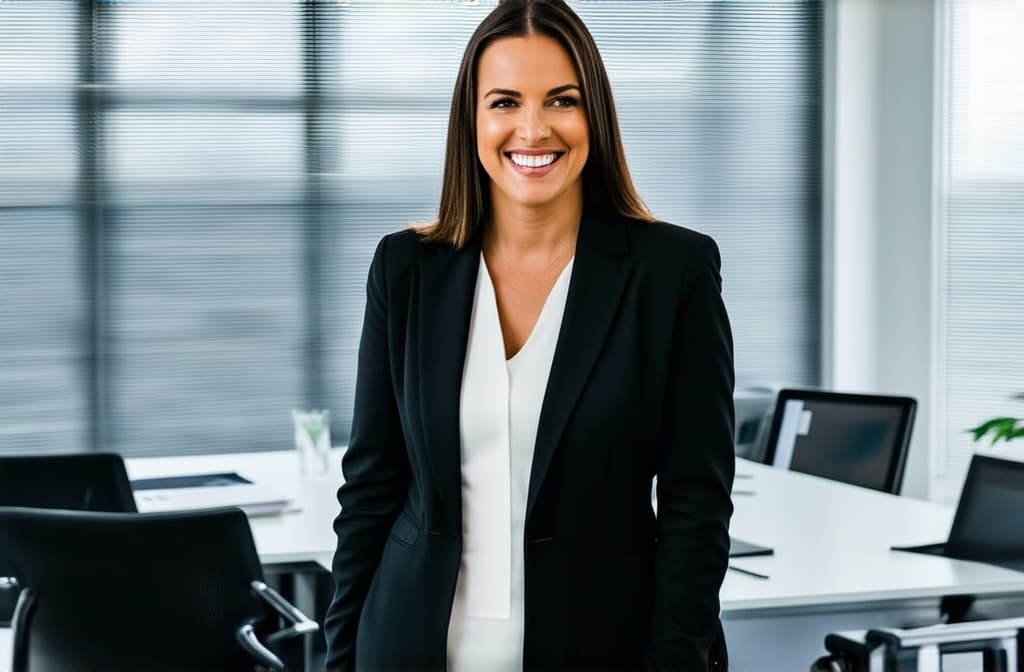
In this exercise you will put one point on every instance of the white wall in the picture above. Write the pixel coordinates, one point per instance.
(879, 175)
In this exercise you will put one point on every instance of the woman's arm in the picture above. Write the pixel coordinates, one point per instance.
(376, 470)
(695, 473)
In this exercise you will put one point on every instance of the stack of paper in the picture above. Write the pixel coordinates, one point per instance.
(205, 491)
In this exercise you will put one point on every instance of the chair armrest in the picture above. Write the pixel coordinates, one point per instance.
(246, 636)
(946, 633)
(300, 623)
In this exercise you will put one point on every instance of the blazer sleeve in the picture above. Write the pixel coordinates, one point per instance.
(695, 474)
(376, 471)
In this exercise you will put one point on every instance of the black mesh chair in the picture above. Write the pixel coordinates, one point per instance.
(160, 591)
(79, 481)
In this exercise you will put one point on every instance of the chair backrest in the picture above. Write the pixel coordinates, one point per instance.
(131, 591)
(860, 439)
(78, 481)
(753, 417)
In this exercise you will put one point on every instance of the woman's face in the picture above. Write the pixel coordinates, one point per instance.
(531, 131)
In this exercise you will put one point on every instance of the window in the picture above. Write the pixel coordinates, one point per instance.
(981, 323)
(190, 194)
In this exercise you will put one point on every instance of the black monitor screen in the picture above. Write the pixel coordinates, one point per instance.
(990, 517)
(845, 440)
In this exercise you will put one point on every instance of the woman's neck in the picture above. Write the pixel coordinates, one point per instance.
(519, 231)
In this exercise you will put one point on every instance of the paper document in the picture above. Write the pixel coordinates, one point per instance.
(205, 491)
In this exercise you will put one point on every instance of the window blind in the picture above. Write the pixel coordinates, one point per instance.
(190, 193)
(981, 310)
(43, 316)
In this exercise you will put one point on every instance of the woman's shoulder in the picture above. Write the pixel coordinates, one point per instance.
(399, 249)
(659, 240)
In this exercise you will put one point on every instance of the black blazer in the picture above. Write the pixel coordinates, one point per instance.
(641, 385)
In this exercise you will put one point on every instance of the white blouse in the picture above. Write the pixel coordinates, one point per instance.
(498, 416)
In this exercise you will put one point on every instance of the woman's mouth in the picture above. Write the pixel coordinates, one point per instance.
(533, 165)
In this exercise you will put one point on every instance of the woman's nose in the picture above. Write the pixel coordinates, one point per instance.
(533, 127)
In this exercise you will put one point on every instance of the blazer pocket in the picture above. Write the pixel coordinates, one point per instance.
(405, 531)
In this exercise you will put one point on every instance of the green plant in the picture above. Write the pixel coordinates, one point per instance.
(1001, 429)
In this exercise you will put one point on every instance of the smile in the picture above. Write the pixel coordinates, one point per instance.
(533, 165)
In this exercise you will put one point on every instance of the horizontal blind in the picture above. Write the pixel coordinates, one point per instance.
(207, 182)
(203, 177)
(981, 264)
(43, 309)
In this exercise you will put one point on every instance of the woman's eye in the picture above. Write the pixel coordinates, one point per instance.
(501, 103)
(565, 101)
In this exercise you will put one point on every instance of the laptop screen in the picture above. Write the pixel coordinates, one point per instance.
(989, 519)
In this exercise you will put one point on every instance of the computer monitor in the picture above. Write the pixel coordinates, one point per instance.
(989, 520)
(859, 439)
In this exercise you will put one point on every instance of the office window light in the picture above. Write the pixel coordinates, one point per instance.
(190, 193)
(981, 255)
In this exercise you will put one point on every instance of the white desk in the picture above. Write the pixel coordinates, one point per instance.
(832, 568)
(832, 544)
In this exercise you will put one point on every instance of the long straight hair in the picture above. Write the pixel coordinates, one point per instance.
(607, 186)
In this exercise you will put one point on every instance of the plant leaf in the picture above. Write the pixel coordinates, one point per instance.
(987, 426)
(1002, 429)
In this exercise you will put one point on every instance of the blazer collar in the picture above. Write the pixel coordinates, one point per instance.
(599, 277)
(445, 290)
(447, 283)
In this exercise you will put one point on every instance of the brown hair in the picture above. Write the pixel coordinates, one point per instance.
(607, 186)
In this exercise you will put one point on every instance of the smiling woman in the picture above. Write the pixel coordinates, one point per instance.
(529, 363)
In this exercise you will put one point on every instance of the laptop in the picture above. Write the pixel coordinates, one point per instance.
(989, 522)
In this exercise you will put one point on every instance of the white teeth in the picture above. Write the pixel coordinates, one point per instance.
(532, 161)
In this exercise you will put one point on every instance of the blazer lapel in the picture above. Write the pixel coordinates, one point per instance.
(599, 276)
(447, 283)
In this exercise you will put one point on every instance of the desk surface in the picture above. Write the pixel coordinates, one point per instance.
(831, 540)
(832, 545)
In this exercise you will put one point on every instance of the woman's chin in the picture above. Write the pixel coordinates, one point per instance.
(537, 198)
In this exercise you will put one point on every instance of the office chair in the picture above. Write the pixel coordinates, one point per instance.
(994, 646)
(80, 481)
(160, 591)
(754, 407)
(860, 439)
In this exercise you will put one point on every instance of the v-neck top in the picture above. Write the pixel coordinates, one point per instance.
(498, 417)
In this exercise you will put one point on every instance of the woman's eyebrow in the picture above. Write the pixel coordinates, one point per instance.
(562, 89)
(515, 94)
(503, 92)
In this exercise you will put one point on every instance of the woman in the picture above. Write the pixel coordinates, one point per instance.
(528, 364)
